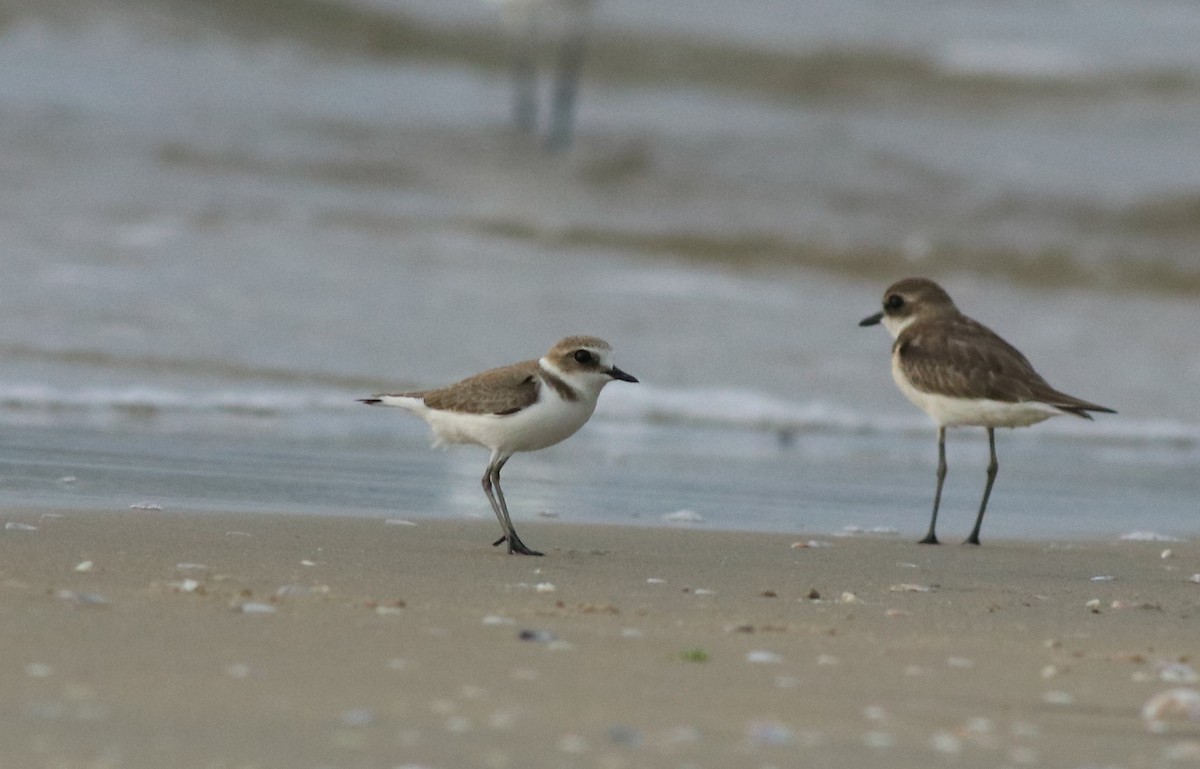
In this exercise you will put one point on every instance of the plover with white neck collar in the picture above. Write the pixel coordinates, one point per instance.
(523, 407)
(961, 373)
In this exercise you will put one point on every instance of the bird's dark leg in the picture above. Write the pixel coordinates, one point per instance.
(501, 515)
(523, 40)
(993, 466)
(931, 537)
(566, 87)
(495, 495)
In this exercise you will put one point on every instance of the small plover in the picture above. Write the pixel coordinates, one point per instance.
(523, 407)
(961, 373)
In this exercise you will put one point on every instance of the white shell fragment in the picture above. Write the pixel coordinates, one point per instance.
(186, 586)
(14, 526)
(1173, 704)
(761, 657)
(496, 619)
(83, 599)
(910, 588)
(84, 566)
(255, 607)
(545, 587)
(1178, 673)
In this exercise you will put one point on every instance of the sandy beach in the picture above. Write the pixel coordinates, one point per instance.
(153, 638)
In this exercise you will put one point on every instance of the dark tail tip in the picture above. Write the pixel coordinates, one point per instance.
(370, 401)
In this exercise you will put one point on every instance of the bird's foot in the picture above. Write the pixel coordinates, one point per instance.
(930, 539)
(516, 546)
(972, 540)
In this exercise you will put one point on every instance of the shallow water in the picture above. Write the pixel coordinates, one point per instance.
(226, 221)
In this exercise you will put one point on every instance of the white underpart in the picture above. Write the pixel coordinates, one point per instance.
(948, 411)
(545, 423)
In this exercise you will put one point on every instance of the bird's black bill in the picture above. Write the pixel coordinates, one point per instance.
(617, 373)
(871, 321)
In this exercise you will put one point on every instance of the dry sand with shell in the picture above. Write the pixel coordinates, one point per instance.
(160, 639)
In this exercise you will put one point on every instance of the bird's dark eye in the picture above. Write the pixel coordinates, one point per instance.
(894, 302)
(583, 356)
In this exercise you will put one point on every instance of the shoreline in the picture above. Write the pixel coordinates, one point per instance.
(150, 638)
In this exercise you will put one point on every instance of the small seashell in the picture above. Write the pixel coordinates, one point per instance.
(14, 526)
(307, 562)
(496, 619)
(763, 657)
(910, 588)
(84, 566)
(186, 586)
(894, 613)
(703, 591)
(1171, 704)
(254, 607)
(849, 597)
(655, 581)
(544, 587)
(83, 599)
(1194, 578)
(1093, 604)
(1103, 578)
(1165, 554)
(1178, 673)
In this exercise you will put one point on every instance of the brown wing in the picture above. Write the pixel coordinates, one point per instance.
(500, 391)
(963, 358)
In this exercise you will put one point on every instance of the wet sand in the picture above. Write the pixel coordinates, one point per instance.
(155, 638)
